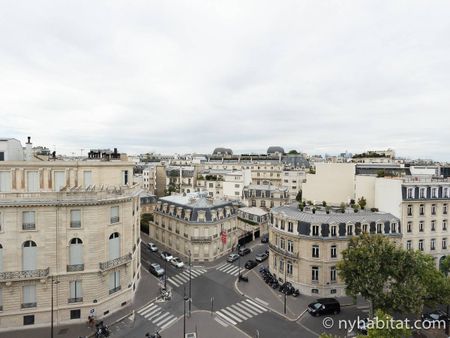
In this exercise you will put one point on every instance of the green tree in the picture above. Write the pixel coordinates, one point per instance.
(293, 152)
(298, 198)
(391, 278)
(362, 202)
(387, 327)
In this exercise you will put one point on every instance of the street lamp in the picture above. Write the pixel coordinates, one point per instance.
(190, 283)
(239, 262)
(184, 312)
(51, 320)
(165, 274)
(285, 276)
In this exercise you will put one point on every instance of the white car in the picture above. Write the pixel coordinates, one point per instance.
(177, 262)
(166, 256)
(152, 247)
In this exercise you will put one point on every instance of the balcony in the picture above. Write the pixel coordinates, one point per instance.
(75, 267)
(75, 300)
(201, 239)
(28, 305)
(75, 224)
(23, 275)
(28, 226)
(283, 252)
(117, 288)
(115, 262)
(115, 219)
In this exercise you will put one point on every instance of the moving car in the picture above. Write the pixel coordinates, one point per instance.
(250, 264)
(156, 269)
(231, 258)
(152, 247)
(434, 317)
(324, 306)
(261, 257)
(265, 239)
(244, 251)
(166, 256)
(176, 262)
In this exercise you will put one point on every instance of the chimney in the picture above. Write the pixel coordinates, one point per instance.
(28, 150)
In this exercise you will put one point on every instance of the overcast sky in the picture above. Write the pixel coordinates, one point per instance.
(183, 76)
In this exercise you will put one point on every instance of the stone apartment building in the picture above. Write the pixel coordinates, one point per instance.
(292, 180)
(195, 224)
(265, 196)
(73, 223)
(305, 246)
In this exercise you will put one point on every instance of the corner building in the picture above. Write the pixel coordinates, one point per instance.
(71, 229)
(305, 247)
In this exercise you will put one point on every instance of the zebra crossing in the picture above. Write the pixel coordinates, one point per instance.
(183, 277)
(157, 315)
(229, 268)
(240, 311)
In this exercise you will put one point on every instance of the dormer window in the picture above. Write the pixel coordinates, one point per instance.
(422, 192)
(333, 231)
(349, 230)
(393, 228)
(315, 230)
(379, 228)
(410, 193)
(434, 192)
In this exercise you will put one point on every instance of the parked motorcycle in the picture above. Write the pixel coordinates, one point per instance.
(102, 330)
(155, 335)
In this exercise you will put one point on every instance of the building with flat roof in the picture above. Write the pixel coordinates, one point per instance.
(265, 196)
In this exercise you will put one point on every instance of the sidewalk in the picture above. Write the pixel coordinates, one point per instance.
(147, 289)
(206, 327)
(259, 291)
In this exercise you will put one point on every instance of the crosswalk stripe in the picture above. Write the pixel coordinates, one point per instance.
(161, 322)
(157, 320)
(154, 314)
(235, 273)
(242, 312)
(247, 309)
(236, 313)
(151, 313)
(173, 282)
(229, 268)
(220, 267)
(229, 320)
(147, 309)
(180, 279)
(254, 304)
(232, 315)
(168, 323)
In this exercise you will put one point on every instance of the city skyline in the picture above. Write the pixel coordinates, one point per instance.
(179, 78)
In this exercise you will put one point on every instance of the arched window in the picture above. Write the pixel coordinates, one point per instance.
(114, 246)
(29, 255)
(76, 251)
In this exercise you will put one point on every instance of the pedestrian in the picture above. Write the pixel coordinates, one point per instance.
(91, 321)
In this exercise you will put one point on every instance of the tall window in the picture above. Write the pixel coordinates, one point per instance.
(114, 281)
(315, 230)
(333, 274)
(434, 192)
(281, 265)
(433, 225)
(60, 180)
(76, 252)
(421, 244)
(422, 192)
(29, 296)
(87, 178)
(76, 294)
(333, 251)
(433, 244)
(409, 227)
(333, 230)
(5, 181)
(28, 220)
(315, 273)
(444, 209)
(409, 245)
(445, 192)
(290, 246)
(444, 243)
(421, 226)
(410, 192)
(114, 214)
(315, 251)
(444, 225)
(409, 210)
(289, 268)
(422, 210)
(32, 181)
(379, 228)
(290, 226)
(433, 209)
(349, 230)
(364, 228)
(282, 243)
(393, 228)
(75, 218)
(29, 256)
(114, 246)
(125, 177)
(282, 225)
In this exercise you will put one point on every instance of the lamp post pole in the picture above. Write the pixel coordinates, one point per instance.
(165, 274)
(285, 276)
(239, 262)
(190, 283)
(51, 310)
(184, 312)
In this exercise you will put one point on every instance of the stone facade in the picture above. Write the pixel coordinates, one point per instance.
(76, 223)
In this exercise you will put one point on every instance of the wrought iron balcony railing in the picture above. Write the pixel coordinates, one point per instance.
(28, 226)
(115, 262)
(117, 288)
(75, 267)
(283, 252)
(75, 300)
(26, 274)
(115, 219)
(75, 224)
(201, 239)
(28, 305)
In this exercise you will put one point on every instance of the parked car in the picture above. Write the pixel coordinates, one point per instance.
(166, 256)
(435, 317)
(156, 269)
(244, 251)
(231, 258)
(261, 257)
(324, 306)
(176, 262)
(250, 264)
(265, 239)
(152, 247)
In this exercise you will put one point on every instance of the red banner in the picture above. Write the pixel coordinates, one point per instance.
(223, 236)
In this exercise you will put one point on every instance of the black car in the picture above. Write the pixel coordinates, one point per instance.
(435, 317)
(265, 239)
(250, 264)
(244, 251)
(324, 306)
